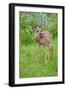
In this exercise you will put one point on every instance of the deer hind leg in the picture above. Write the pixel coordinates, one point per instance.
(46, 55)
(51, 52)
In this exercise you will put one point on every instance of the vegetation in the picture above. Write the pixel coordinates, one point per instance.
(28, 65)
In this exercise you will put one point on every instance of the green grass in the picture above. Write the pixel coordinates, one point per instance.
(31, 66)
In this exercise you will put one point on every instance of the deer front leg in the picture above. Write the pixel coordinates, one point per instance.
(37, 54)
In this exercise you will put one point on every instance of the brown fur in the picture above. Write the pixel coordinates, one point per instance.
(44, 38)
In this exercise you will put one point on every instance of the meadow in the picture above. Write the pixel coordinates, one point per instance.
(29, 63)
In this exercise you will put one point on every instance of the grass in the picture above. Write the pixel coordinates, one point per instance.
(31, 66)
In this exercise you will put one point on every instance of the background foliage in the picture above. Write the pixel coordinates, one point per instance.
(28, 20)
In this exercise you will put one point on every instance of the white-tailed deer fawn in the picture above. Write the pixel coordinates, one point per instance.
(44, 38)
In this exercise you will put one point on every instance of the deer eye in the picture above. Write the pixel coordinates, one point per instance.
(36, 31)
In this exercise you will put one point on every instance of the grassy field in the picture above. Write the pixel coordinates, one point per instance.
(28, 65)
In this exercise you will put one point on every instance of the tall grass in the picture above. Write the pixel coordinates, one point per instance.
(32, 66)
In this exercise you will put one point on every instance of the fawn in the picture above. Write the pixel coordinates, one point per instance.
(44, 38)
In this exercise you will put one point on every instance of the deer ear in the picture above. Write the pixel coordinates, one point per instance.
(39, 26)
(34, 28)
